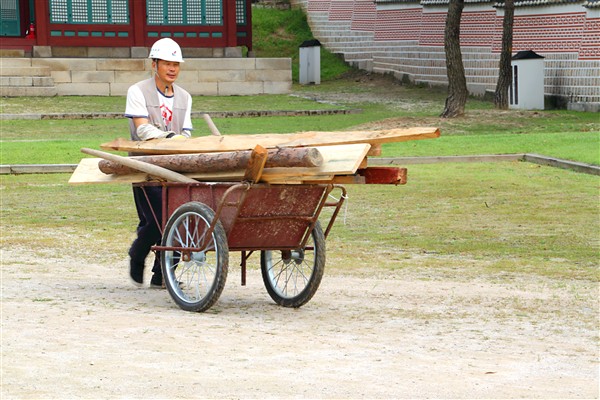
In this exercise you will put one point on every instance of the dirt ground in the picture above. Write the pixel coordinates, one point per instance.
(79, 329)
(84, 331)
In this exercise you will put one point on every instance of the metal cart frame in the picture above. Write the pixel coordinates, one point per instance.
(202, 222)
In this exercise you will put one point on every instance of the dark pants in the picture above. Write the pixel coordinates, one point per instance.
(148, 232)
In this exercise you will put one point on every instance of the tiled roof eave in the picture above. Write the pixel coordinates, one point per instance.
(445, 2)
(539, 3)
(496, 4)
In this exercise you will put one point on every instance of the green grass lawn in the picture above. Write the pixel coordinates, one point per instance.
(557, 133)
(458, 220)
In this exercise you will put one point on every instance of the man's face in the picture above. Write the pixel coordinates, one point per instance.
(167, 71)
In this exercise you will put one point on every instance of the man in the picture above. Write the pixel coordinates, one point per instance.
(156, 108)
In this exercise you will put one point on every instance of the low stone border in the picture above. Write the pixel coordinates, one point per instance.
(445, 159)
(18, 169)
(532, 158)
(195, 114)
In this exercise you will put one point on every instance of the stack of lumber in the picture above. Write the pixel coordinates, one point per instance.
(305, 157)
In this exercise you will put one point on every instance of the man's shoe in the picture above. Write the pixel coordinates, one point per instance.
(156, 282)
(136, 272)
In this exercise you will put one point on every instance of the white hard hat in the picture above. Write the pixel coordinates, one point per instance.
(166, 49)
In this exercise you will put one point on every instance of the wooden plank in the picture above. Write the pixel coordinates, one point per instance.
(87, 172)
(372, 176)
(384, 175)
(256, 164)
(375, 150)
(337, 160)
(342, 180)
(207, 144)
(364, 163)
(295, 180)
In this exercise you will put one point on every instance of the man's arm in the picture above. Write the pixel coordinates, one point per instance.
(146, 131)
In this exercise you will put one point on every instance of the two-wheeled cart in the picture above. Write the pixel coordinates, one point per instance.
(202, 222)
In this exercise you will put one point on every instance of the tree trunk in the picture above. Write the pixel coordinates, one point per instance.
(213, 162)
(457, 83)
(505, 70)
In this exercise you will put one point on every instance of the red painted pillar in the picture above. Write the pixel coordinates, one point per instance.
(138, 20)
(42, 23)
(249, 24)
(230, 25)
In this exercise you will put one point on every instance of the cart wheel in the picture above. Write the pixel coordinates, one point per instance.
(293, 277)
(194, 279)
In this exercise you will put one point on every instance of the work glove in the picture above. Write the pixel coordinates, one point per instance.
(149, 131)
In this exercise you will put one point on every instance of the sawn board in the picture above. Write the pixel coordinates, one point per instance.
(208, 144)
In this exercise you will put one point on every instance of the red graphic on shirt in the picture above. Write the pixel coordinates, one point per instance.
(167, 114)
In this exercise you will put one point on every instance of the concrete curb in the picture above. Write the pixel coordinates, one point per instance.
(18, 169)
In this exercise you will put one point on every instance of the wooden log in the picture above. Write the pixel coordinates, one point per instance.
(294, 157)
(153, 170)
(214, 162)
(256, 165)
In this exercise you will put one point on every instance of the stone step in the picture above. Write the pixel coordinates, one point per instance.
(42, 81)
(28, 91)
(19, 78)
(24, 71)
(17, 62)
(6, 53)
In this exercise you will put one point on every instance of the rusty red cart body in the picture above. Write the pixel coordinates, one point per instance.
(202, 222)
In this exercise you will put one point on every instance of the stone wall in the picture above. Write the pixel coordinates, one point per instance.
(112, 76)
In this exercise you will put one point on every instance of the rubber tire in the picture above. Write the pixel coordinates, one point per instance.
(272, 269)
(219, 258)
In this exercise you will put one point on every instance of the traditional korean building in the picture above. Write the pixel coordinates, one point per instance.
(100, 47)
(45, 25)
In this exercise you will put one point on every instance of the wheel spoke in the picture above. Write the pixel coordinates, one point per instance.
(195, 275)
(292, 277)
(178, 238)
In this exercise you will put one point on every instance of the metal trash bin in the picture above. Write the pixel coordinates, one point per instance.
(310, 62)
(527, 87)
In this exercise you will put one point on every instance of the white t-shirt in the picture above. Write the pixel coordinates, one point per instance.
(136, 107)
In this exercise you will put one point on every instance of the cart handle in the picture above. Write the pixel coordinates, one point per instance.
(337, 205)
